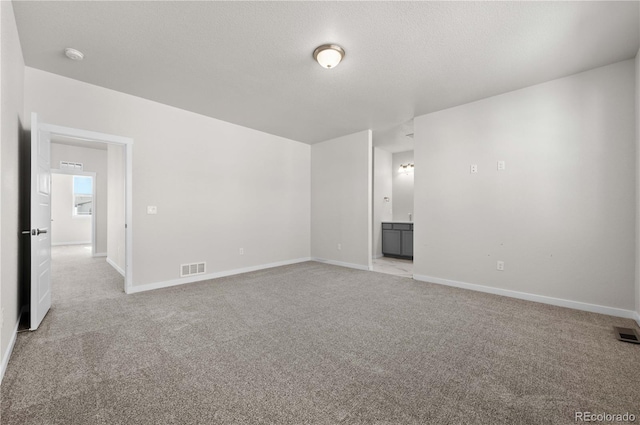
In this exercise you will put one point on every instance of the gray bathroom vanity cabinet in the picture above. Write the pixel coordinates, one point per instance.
(397, 239)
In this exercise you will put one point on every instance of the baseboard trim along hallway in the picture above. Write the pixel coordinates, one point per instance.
(115, 266)
(576, 305)
(70, 243)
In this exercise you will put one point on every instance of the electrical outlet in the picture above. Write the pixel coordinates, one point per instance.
(241, 251)
(152, 209)
(500, 265)
(339, 247)
(473, 168)
(502, 166)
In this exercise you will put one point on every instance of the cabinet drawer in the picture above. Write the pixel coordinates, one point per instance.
(387, 226)
(402, 226)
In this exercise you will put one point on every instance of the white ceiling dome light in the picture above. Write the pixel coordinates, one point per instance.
(328, 55)
(73, 54)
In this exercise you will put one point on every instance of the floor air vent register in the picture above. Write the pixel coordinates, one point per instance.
(627, 335)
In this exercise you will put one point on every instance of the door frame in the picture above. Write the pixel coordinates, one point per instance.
(91, 174)
(127, 142)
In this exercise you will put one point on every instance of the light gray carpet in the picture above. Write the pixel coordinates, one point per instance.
(309, 344)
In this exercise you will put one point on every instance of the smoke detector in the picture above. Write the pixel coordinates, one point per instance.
(74, 54)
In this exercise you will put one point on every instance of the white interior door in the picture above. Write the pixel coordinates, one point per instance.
(40, 222)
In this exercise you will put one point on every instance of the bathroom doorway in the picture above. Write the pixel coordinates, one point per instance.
(393, 193)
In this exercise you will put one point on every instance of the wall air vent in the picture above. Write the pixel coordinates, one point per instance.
(191, 269)
(68, 165)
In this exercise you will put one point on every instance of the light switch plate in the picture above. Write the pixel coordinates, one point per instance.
(152, 209)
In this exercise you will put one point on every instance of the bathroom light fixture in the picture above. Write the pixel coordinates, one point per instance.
(74, 54)
(406, 168)
(328, 55)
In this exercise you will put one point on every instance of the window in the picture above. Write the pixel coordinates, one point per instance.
(82, 195)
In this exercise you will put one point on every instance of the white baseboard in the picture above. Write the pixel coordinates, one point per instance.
(637, 317)
(99, 254)
(378, 256)
(115, 266)
(70, 243)
(201, 277)
(9, 350)
(577, 305)
(342, 264)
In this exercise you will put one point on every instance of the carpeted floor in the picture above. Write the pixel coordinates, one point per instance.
(309, 344)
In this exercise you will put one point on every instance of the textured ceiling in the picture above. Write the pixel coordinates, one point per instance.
(250, 63)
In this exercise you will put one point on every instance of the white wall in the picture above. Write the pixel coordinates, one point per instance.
(93, 160)
(560, 216)
(218, 186)
(402, 187)
(115, 207)
(11, 109)
(65, 228)
(382, 187)
(341, 197)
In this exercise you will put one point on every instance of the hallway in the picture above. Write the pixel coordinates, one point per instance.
(77, 277)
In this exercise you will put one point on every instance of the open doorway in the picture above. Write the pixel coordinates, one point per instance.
(393, 193)
(79, 199)
(83, 221)
(119, 152)
(88, 202)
